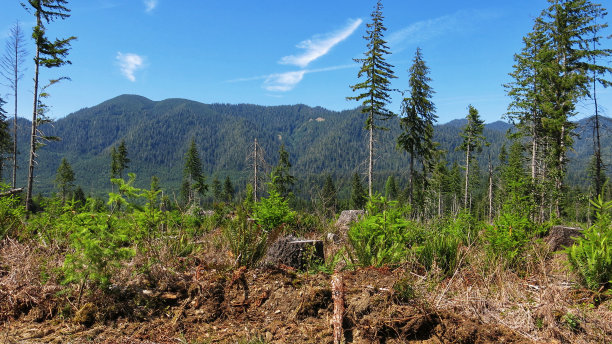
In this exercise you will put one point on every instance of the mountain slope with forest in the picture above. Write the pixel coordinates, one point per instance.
(319, 141)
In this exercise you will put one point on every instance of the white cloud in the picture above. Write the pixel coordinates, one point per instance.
(458, 22)
(130, 63)
(320, 45)
(283, 82)
(150, 5)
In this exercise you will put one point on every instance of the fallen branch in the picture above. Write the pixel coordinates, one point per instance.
(10, 192)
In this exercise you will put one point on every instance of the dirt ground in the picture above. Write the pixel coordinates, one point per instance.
(272, 305)
(203, 304)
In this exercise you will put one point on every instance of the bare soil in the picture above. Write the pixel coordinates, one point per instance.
(204, 304)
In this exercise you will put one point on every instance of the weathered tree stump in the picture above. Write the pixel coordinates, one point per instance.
(294, 252)
(338, 296)
(560, 236)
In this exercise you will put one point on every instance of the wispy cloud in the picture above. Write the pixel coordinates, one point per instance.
(425, 30)
(129, 64)
(150, 5)
(320, 45)
(283, 82)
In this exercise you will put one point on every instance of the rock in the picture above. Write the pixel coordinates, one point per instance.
(560, 236)
(294, 252)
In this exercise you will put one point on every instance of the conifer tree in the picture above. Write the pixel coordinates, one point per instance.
(329, 196)
(11, 69)
(228, 189)
(472, 143)
(122, 159)
(217, 190)
(376, 86)
(64, 179)
(49, 55)
(391, 188)
(418, 116)
(194, 183)
(283, 179)
(358, 194)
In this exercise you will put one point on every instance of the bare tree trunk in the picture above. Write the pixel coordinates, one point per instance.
(411, 178)
(371, 161)
(33, 132)
(255, 172)
(597, 143)
(559, 177)
(440, 201)
(467, 173)
(490, 189)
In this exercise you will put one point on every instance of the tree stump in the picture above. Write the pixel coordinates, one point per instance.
(294, 252)
(338, 298)
(560, 236)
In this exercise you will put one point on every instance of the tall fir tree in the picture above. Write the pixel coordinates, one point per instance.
(283, 180)
(194, 183)
(228, 190)
(391, 188)
(217, 190)
(122, 159)
(418, 117)
(49, 55)
(359, 197)
(329, 197)
(377, 84)
(471, 144)
(64, 179)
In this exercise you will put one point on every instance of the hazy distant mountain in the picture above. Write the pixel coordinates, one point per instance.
(157, 134)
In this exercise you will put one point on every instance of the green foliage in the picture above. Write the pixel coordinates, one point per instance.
(228, 190)
(282, 179)
(11, 214)
(507, 237)
(273, 211)
(119, 160)
(194, 183)
(98, 245)
(358, 195)
(329, 196)
(438, 248)
(591, 255)
(64, 179)
(391, 188)
(384, 235)
(247, 241)
(404, 291)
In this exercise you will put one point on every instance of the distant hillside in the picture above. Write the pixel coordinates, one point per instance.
(157, 134)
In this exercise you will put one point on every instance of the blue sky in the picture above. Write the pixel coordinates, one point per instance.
(277, 52)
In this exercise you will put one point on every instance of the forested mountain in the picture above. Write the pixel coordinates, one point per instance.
(157, 135)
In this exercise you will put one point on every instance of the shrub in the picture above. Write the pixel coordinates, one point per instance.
(507, 236)
(247, 241)
(11, 213)
(273, 211)
(99, 244)
(383, 236)
(591, 255)
(439, 248)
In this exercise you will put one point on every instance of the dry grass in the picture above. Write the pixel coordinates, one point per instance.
(545, 304)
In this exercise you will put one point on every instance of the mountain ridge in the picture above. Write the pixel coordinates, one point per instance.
(157, 134)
